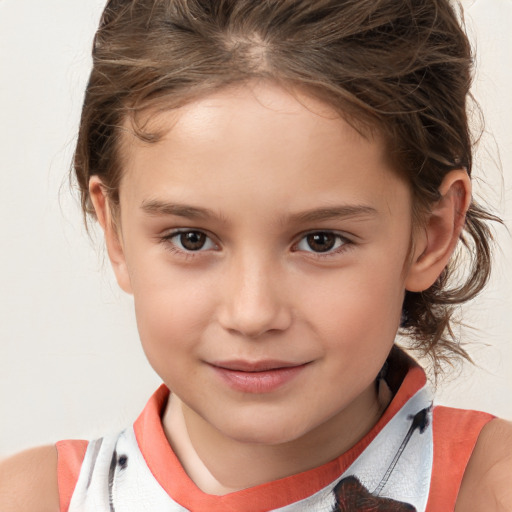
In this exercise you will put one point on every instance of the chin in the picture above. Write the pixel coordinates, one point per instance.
(263, 431)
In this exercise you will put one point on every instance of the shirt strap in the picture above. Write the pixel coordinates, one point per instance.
(456, 432)
(70, 455)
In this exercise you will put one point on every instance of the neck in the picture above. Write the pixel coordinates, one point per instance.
(219, 465)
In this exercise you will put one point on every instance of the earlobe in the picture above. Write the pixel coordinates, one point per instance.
(115, 249)
(440, 234)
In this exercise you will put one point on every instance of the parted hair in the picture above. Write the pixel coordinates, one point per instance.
(401, 68)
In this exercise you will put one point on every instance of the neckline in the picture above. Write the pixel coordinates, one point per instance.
(169, 473)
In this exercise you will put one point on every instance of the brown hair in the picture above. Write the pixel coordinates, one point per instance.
(401, 67)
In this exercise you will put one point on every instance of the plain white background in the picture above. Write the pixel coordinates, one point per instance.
(70, 361)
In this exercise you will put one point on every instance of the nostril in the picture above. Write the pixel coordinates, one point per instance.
(255, 322)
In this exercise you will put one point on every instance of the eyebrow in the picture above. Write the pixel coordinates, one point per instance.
(333, 213)
(156, 207)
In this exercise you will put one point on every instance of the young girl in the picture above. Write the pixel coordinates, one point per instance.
(282, 185)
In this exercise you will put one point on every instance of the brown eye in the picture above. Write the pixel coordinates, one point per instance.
(188, 241)
(192, 240)
(321, 242)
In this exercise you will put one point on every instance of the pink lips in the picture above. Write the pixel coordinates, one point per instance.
(257, 377)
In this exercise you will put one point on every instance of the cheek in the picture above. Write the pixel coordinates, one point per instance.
(171, 305)
(171, 324)
(358, 308)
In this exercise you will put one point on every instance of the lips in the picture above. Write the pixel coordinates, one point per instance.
(257, 376)
(255, 366)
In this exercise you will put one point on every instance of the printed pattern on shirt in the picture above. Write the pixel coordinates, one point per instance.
(391, 474)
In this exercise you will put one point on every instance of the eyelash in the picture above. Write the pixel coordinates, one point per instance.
(188, 254)
(172, 247)
(345, 243)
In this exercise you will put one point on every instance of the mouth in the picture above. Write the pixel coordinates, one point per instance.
(266, 365)
(257, 376)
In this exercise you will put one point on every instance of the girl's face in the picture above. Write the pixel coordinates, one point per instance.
(266, 243)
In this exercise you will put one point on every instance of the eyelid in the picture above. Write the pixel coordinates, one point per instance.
(167, 239)
(347, 242)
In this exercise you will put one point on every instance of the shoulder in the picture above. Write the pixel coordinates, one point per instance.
(486, 482)
(28, 481)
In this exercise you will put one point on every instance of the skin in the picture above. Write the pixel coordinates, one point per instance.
(269, 166)
(261, 160)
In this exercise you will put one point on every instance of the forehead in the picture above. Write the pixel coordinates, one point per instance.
(282, 143)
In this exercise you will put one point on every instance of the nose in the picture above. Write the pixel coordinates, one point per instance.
(254, 298)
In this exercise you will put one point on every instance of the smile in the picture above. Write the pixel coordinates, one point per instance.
(257, 377)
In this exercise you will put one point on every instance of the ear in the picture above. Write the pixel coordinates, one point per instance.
(113, 240)
(436, 241)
